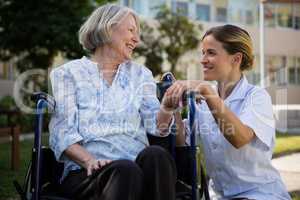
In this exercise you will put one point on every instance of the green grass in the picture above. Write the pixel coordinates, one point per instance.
(6, 174)
(285, 144)
(295, 195)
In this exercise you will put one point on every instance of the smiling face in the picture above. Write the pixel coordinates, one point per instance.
(218, 64)
(124, 38)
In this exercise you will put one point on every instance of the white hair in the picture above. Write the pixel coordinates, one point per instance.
(96, 30)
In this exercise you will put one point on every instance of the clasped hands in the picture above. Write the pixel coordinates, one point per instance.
(173, 97)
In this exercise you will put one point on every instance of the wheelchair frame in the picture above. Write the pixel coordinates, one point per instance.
(33, 192)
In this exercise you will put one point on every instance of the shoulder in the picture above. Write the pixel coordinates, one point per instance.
(257, 94)
(138, 72)
(138, 69)
(258, 101)
(75, 69)
(67, 67)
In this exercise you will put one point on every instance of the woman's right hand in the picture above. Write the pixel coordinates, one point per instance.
(83, 158)
(92, 165)
(174, 94)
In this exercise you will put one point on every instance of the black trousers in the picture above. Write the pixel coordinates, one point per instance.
(151, 177)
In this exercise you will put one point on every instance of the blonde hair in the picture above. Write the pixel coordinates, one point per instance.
(234, 39)
(96, 30)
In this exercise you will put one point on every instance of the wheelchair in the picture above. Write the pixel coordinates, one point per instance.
(44, 172)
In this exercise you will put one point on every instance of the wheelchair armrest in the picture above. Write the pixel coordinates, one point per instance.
(45, 97)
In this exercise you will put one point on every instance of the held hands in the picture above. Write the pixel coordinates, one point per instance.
(92, 165)
(173, 96)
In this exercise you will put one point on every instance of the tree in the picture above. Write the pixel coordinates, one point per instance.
(174, 37)
(34, 32)
(150, 48)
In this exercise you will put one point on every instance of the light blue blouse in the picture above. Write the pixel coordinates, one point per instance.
(245, 172)
(109, 121)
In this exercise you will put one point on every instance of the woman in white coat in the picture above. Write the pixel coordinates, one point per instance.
(235, 121)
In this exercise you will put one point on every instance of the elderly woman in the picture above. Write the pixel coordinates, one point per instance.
(105, 106)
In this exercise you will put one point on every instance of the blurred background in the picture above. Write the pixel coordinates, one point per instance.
(36, 36)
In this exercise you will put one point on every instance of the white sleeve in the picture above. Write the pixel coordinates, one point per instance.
(150, 105)
(258, 115)
(63, 126)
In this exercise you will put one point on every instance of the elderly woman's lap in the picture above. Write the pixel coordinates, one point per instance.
(152, 176)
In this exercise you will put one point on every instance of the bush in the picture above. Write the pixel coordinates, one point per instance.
(25, 120)
(7, 102)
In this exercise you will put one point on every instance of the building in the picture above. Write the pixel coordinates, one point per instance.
(282, 44)
(7, 72)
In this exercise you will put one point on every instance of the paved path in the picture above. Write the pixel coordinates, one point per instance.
(289, 169)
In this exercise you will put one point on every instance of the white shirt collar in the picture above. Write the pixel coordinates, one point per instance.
(239, 91)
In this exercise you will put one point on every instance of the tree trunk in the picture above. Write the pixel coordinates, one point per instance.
(173, 67)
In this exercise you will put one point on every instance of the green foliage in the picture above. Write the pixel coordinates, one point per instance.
(178, 33)
(26, 121)
(184, 112)
(35, 31)
(151, 49)
(173, 36)
(7, 102)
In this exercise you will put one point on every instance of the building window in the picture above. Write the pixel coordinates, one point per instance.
(277, 70)
(298, 76)
(203, 12)
(296, 15)
(253, 77)
(221, 15)
(154, 7)
(126, 3)
(241, 12)
(284, 15)
(235, 15)
(180, 8)
(269, 12)
(297, 22)
(249, 17)
(292, 70)
(292, 75)
(281, 72)
(280, 76)
(298, 71)
(136, 5)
